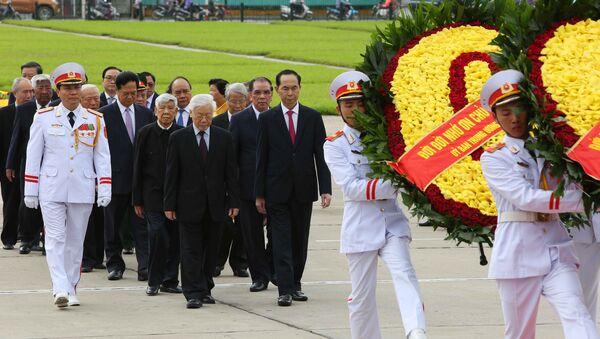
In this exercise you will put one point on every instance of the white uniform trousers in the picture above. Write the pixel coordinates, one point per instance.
(521, 297)
(362, 303)
(65, 225)
(589, 269)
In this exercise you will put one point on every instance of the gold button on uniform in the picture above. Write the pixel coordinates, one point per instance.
(382, 210)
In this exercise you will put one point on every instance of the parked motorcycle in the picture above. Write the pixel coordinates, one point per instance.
(104, 10)
(333, 13)
(301, 12)
(8, 12)
(215, 11)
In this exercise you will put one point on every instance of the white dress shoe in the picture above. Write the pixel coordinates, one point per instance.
(61, 299)
(417, 333)
(73, 301)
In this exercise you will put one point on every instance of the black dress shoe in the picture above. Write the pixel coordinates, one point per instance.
(143, 276)
(208, 299)
(258, 286)
(217, 271)
(193, 303)
(8, 246)
(99, 266)
(24, 249)
(152, 290)
(86, 269)
(425, 223)
(168, 289)
(37, 248)
(284, 300)
(128, 251)
(115, 275)
(242, 273)
(299, 296)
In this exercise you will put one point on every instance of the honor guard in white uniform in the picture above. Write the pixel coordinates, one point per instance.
(373, 224)
(533, 254)
(67, 160)
(587, 247)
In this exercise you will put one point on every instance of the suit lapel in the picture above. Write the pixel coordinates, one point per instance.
(281, 125)
(211, 145)
(301, 124)
(194, 145)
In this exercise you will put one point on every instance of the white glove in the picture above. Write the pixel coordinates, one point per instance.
(31, 202)
(103, 201)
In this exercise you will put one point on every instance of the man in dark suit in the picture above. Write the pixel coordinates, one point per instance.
(151, 94)
(31, 223)
(232, 243)
(243, 128)
(181, 88)
(201, 175)
(11, 193)
(123, 120)
(28, 70)
(289, 148)
(148, 186)
(109, 77)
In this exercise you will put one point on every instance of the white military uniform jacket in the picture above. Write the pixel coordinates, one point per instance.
(370, 206)
(522, 248)
(65, 163)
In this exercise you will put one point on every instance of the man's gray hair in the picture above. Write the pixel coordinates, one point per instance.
(90, 86)
(35, 80)
(165, 98)
(236, 87)
(202, 100)
(17, 82)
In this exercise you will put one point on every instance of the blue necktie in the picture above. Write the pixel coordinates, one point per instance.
(180, 118)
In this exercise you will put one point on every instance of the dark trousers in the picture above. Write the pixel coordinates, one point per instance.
(253, 233)
(163, 255)
(31, 223)
(11, 194)
(93, 245)
(199, 246)
(120, 207)
(290, 224)
(232, 246)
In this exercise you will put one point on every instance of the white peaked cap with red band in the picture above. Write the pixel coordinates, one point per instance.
(501, 88)
(69, 73)
(347, 85)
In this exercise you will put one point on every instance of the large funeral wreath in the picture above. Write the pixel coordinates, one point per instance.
(428, 65)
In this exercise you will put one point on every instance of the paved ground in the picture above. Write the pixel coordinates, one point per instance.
(460, 301)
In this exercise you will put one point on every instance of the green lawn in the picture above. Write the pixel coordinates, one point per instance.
(333, 43)
(51, 49)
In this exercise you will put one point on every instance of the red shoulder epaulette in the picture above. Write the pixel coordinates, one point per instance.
(335, 136)
(44, 110)
(94, 112)
(495, 147)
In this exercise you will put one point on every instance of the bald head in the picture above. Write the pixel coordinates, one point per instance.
(90, 96)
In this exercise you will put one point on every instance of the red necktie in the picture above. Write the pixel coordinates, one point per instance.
(291, 127)
(202, 145)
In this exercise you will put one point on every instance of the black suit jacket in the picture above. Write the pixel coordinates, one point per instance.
(17, 151)
(153, 102)
(221, 120)
(7, 119)
(121, 148)
(149, 164)
(283, 169)
(192, 185)
(103, 100)
(243, 128)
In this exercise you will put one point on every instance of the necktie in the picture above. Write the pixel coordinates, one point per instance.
(180, 118)
(202, 145)
(71, 116)
(291, 127)
(110, 100)
(129, 124)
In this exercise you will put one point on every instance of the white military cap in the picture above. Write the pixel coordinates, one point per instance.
(501, 88)
(69, 73)
(347, 85)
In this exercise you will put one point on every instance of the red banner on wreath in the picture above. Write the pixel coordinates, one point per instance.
(587, 152)
(458, 137)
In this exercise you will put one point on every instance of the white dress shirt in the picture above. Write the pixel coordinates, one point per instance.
(257, 112)
(294, 116)
(206, 136)
(149, 100)
(185, 113)
(131, 113)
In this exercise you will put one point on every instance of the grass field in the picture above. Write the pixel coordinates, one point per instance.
(333, 43)
(51, 49)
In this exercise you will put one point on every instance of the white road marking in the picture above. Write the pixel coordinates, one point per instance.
(228, 285)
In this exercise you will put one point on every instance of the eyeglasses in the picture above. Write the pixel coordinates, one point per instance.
(110, 78)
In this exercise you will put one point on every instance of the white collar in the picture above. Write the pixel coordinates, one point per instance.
(123, 108)
(162, 127)
(296, 108)
(196, 130)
